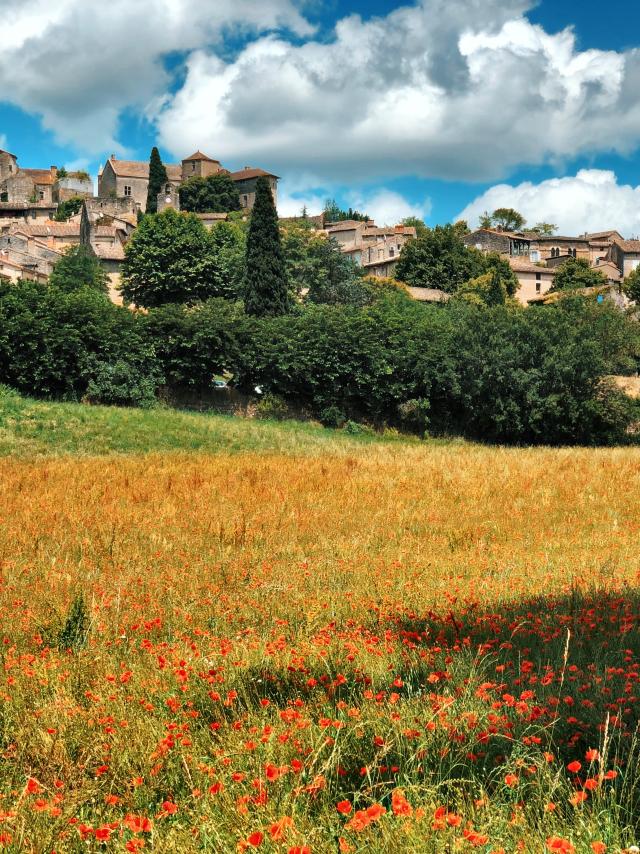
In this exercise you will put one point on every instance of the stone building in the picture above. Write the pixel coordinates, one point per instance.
(376, 249)
(105, 227)
(130, 179)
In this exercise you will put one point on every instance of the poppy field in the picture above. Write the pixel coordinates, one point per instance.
(379, 648)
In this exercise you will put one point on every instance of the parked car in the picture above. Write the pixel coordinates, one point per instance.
(220, 384)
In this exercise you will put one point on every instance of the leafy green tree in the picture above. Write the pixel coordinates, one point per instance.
(487, 289)
(507, 219)
(171, 257)
(318, 269)
(266, 291)
(439, 259)
(417, 223)
(631, 286)
(194, 343)
(214, 194)
(68, 209)
(485, 220)
(229, 241)
(79, 268)
(493, 261)
(577, 273)
(157, 180)
(72, 344)
(547, 229)
(334, 213)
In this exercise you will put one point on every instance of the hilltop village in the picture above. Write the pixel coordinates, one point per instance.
(33, 235)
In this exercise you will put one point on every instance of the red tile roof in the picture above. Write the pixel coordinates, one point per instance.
(249, 172)
(199, 156)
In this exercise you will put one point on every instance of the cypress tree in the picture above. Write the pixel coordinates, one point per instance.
(266, 291)
(157, 180)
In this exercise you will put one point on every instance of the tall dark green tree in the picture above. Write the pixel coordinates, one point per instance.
(79, 268)
(266, 293)
(157, 180)
(214, 194)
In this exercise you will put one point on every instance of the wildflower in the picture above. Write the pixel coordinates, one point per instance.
(511, 780)
(556, 843)
(255, 839)
(344, 807)
(574, 766)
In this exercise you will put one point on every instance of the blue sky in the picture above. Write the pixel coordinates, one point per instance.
(432, 107)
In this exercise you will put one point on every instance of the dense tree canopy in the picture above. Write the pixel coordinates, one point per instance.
(577, 273)
(266, 292)
(79, 268)
(215, 194)
(171, 257)
(68, 208)
(631, 286)
(439, 259)
(157, 180)
(334, 213)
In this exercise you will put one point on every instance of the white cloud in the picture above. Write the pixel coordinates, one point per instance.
(463, 90)
(79, 63)
(593, 200)
(389, 208)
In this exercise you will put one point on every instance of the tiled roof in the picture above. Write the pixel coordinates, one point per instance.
(104, 231)
(200, 156)
(140, 169)
(41, 176)
(628, 245)
(602, 235)
(108, 251)
(246, 174)
(554, 238)
(522, 265)
(48, 228)
(393, 231)
(345, 225)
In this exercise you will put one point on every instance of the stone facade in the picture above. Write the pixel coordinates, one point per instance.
(130, 179)
(375, 249)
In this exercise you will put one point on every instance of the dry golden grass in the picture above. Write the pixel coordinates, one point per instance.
(354, 588)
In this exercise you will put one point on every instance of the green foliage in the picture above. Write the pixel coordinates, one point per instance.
(493, 261)
(577, 273)
(73, 634)
(229, 241)
(78, 269)
(69, 208)
(631, 286)
(171, 257)
(547, 229)
(439, 259)
(417, 223)
(194, 344)
(334, 213)
(485, 220)
(507, 219)
(318, 268)
(266, 291)
(214, 194)
(57, 343)
(487, 289)
(270, 407)
(61, 173)
(158, 180)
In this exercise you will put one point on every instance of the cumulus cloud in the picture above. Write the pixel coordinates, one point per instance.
(592, 200)
(80, 63)
(462, 91)
(387, 207)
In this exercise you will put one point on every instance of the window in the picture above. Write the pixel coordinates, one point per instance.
(535, 255)
(245, 201)
(127, 190)
(167, 189)
(41, 194)
(392, 252)
(193, 167)
(538, 283)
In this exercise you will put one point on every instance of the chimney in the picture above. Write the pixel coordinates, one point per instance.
(113, 157)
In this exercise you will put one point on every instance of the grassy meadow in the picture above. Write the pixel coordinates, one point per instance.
(221, 635)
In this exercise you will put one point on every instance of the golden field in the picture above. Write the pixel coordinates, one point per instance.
(378, 647)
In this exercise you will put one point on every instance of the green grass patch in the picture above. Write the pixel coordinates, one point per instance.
(35, 428)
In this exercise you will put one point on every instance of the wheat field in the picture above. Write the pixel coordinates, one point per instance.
(367, 648)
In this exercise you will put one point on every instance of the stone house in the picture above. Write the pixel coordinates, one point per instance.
(533, 279)
(625, 254)
(514, 244)
(245, 181)
(130, 179)
(375, 249)
(105, 227)
(29, 252)
(56, 235)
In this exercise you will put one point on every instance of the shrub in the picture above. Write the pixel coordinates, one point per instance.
(271, 407)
